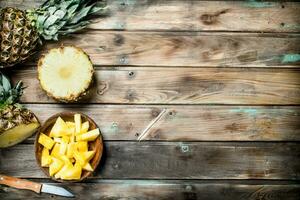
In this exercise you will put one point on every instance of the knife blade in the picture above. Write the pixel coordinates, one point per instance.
(52, 189)
(33, 186)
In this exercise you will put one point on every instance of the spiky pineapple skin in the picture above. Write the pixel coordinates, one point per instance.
(18, 37)
(14, 115)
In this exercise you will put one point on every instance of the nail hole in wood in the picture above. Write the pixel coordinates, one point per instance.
(137, 134)
(116, 166)
(282, 24)
(123, 59)
(185, 148)
(131, 74)
(114, 124)
(188, 188)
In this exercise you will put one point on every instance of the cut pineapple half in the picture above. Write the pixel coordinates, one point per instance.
(65, 73)
(17, 134)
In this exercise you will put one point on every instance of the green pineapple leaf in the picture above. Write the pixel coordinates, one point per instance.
(9, 95)
(5, 83)
(61, 17)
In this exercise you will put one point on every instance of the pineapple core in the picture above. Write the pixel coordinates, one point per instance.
(65, 72)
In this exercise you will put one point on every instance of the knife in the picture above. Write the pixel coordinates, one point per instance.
(36, 187)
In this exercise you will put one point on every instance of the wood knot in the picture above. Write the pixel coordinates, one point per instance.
(103, 86)
(118, 40)
(209, 19)
(131, 95)
(155, 112)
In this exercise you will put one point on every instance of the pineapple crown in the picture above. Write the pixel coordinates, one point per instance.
(61, 17)
(9, 95)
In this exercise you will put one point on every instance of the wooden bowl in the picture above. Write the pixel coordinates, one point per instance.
(96, 145)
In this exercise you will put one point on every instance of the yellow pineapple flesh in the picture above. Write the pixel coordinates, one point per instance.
(63, 153)
(65, 73)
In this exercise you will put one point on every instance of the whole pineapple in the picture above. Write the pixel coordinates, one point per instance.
(21, 31)
(16, 122)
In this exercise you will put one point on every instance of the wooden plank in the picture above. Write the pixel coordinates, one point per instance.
(186, 123)
(186, 49)
(176, 160)
(182, 86)
(162, 190)
(193, 15)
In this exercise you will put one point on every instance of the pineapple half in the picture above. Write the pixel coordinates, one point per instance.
(16, 122)
(22, 30)
(65, 73)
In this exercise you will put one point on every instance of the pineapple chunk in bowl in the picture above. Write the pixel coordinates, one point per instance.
(68, 147)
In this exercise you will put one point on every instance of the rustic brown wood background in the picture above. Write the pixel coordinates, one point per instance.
(214, 85)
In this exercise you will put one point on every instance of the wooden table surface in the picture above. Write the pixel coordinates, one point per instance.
(214, 86)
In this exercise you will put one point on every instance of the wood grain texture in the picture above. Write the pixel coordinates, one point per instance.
(176, 160)
(186, 123)
(163, 190)
(193, 15)
(182, 86)
(185, 49)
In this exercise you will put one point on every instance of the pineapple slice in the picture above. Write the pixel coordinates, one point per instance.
(46, 158)
(83, 157)
(73, 173)
(65, 73)
(46, 141)
(87, 167)
(57, 139)
(72, 138)
(70, 124)
(77, 120)
(63, 170)
(65, 139)
(63, 148)
(65, 159)
(88, 155)
(84, 127)
(55, 166)
(71, 149)
(89, 136)
(82, 146)
(60, 128)
(55, 151)
(79, 157)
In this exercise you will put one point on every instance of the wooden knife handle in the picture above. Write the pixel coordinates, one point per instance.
(20, 183)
